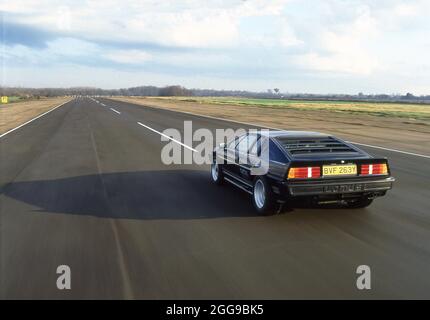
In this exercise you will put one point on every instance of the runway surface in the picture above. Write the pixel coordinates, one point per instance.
(84, 186)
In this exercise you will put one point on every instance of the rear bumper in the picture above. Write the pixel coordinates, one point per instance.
(352, 186)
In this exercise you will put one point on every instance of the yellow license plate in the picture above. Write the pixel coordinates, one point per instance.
(349, 169)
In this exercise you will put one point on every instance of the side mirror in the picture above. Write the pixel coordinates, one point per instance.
(222, 145)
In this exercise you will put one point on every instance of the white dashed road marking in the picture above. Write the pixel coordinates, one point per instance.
(166, 136)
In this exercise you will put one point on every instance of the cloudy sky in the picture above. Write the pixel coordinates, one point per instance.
(330, 46)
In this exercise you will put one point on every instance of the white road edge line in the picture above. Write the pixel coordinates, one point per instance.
(388, 149)
(27, 122)
(115, 110)
(261, 126)
(166, 136)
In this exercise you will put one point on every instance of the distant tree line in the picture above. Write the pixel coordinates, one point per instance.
(177, 90)
(135, 91)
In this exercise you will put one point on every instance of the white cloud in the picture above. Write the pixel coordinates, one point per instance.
(288, 37)
(56, 50)
(345, 48)
(355, 41)
(189, 24)
(71, 47)
(128, 56)
(406, 9)
(338, 63)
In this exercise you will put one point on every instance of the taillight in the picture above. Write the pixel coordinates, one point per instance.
(376, 168)
(304, 172)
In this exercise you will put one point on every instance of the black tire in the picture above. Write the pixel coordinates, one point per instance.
(263, 198)
(217, 175)
(360, 203)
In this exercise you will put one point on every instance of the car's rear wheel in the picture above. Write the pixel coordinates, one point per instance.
(216, 173)
(360, 203)
(262, 197)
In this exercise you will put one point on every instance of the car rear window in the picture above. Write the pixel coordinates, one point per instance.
(297, 146)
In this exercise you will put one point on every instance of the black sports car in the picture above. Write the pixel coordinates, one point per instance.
(301, 165)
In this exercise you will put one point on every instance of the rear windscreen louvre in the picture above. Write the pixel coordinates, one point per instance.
(314, 145)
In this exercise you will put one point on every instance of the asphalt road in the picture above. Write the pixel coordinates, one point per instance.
(84, 186)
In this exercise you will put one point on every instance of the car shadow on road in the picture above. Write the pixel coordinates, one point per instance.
(163, 194)
(167, 194)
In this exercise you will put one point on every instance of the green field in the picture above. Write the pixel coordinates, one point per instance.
(403, 110)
